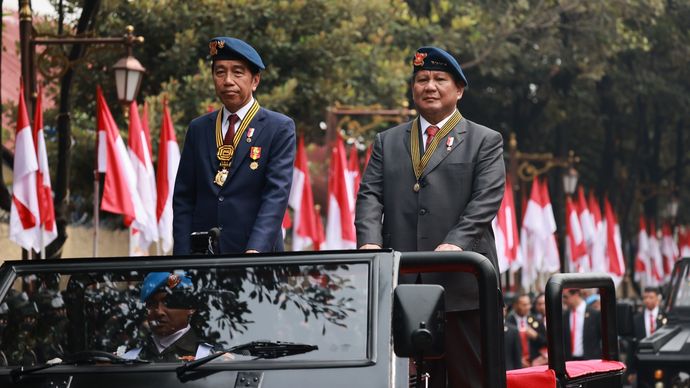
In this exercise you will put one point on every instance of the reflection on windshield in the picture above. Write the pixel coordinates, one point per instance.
(682, 297)
(187, 313)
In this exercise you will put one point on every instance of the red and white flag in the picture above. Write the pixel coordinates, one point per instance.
(320, 235)
(120, 194)
(538, 242)
(684, 241)
(669, 250)
(643, 265)
(656, 258)
(576, 247)
(287, 223)
(168, 160)
(301, 201)
(505, 230)
(589, 229)
(44, 191)
(340, 227)
(24, 212)
(614, 248)
(353, 176)
(140, 156)
(598, 249)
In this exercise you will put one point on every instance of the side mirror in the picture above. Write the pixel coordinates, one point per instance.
(624, 318)
(419, 321)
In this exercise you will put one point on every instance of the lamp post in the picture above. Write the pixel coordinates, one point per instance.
(128, 73)
(570, 180)
(61, 65)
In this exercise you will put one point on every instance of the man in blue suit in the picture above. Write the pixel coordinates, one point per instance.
(236, 166)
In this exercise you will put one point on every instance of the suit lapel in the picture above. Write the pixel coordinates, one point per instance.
(442, 151)
(406, 139)
(211, 148)
(243, 146)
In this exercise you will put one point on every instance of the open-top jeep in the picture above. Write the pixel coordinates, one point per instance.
(335, 319)
(663, 358)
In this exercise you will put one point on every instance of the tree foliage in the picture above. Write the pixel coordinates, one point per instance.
(608, 80)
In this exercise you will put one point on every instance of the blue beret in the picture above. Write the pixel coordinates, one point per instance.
(592, 298)
(224, 47)
(433, 58)
(159, 281)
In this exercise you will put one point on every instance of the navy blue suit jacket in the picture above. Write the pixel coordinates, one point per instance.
(249, 208)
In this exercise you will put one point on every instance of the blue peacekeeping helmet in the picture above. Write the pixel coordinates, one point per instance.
(224, 47)
(433, 58)
(173, 283)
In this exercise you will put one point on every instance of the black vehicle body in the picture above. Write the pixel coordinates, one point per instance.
(377, 367)
(663, 358)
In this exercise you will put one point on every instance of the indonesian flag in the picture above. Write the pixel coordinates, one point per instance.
(614, 251)
(287, 223)
(24, 212)
(140, 156)
(340, 227)
(353, 177)
(168, 160)
(505, 230)
(320, 235)
(304, 232)
(684, 242)
(589, 229)
(539, 249)
(120, 194)
(552, 259)
(669, 250)
(655, 255)
(576, 247)
(44, 191)
(598, 250)
(643, 265)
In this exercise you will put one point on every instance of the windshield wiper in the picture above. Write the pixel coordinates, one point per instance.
(258, 349)
(86, 357)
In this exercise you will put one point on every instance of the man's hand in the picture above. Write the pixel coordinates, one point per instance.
(251, 251)
(447, 247)
(370, 246)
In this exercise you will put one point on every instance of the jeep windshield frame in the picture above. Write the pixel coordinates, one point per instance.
(11, 271)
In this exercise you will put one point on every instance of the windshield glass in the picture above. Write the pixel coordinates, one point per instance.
(187, 313)
(681, 287)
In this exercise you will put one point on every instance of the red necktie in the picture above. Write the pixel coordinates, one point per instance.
(651, 323)
(573, 330)
(231, 129)
(523, 338)
(430, 133)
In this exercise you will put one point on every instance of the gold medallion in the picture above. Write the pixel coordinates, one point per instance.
(416, 187)
(221, 176)
(249, 140)
(254, 165)
(225, 152)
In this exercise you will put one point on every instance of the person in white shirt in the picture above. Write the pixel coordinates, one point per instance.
(581, 328)
(648, 321)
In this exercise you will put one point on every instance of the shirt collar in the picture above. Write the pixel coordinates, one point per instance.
(423, 123)
(581, 307)
(654, 311)
(163, 343)
(241, 113)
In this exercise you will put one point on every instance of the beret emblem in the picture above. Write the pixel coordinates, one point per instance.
(173, 281)
(419, 59)
(214, 46)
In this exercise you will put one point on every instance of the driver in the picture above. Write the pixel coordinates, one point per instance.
(170, 306)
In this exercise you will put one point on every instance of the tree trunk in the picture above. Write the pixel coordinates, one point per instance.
(86, 23)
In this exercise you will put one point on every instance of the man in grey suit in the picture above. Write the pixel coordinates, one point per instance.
(435, 183)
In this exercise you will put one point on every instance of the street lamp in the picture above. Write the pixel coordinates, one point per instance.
(672, 207)
(128, 75)
(570, 181)
(128, 71)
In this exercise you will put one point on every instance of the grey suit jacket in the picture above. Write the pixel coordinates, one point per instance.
(461, 192)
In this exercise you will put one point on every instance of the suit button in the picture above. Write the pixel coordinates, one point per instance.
(422, 212)
(220, 198)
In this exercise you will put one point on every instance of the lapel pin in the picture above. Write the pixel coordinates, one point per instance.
(250, 133)
(449, 142)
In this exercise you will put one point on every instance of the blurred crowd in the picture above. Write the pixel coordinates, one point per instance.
(526, 326)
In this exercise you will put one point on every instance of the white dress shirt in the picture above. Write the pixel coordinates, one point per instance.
(423, 125)
(241, 113)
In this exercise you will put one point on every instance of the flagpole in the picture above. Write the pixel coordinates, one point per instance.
(96, 191)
